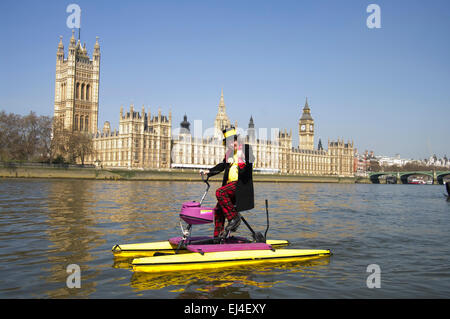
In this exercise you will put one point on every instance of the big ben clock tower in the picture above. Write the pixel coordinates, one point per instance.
(306, 129)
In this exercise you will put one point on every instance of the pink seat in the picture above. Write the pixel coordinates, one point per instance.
(228, 247)
(231, 240)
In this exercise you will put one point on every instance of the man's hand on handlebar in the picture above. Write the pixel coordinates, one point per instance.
(204, 173)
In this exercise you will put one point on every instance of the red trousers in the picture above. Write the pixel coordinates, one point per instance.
(226, 200)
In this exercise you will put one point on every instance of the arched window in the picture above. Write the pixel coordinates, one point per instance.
(86, 123)
(76, 123)
(88, 91)
(78, 91)
(81, 122)
(82, 92)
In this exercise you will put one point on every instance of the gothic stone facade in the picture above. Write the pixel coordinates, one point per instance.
(76, 87)
(271, 156)
(144, 141)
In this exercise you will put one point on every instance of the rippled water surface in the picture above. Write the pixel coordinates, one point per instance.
(45, 225)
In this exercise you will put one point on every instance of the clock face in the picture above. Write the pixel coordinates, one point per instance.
(311, 127)
(303, 127)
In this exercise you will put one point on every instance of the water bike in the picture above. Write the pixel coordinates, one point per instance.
(192, 253)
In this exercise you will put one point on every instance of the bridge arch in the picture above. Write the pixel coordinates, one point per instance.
(404, 176)
(375, 177)
(441, 176)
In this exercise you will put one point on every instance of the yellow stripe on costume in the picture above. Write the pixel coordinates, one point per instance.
(233, 173)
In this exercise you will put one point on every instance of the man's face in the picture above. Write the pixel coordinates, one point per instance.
(231, 144)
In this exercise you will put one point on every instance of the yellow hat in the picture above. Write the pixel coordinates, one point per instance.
(229, 132)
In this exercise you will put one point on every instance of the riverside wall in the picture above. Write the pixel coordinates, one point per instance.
(18, 171)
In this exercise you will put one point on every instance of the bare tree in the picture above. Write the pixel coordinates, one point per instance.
(10, 141)
(374, 166)
(59, 141)
(24, 138)
(41, 138)
(80, 146)
(45, 124)
(71, 145)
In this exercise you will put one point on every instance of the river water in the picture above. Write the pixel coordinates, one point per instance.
(46, 225)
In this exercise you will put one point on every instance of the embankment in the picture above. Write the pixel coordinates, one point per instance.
(18, 171)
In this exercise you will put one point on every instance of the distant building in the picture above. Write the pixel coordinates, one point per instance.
(361, 163)
(440, 162)
(391, 161)
(275, 155)
(144, 141)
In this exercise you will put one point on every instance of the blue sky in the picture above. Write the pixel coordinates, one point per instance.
(387, 89)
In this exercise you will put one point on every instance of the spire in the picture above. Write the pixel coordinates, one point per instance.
(72, 39)
(60, 44)
(222, 102)
(96, 54)
(306, 107)
(221, 122)
(251, 124)
(306, 112)
(96, 46)
(60, 51)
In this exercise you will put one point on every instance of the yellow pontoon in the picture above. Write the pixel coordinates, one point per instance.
(222, 259)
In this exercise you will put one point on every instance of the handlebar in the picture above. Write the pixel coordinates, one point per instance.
(205, 180)
(207, 188)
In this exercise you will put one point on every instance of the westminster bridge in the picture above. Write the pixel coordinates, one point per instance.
(402, 177)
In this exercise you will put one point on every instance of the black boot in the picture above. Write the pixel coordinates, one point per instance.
(234, 223)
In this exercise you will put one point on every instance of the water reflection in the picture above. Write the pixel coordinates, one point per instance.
(226, 282)
(72, 236)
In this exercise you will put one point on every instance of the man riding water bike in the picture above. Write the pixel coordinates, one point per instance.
(236, 193)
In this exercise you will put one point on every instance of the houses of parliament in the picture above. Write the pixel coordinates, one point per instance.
(146, 141)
